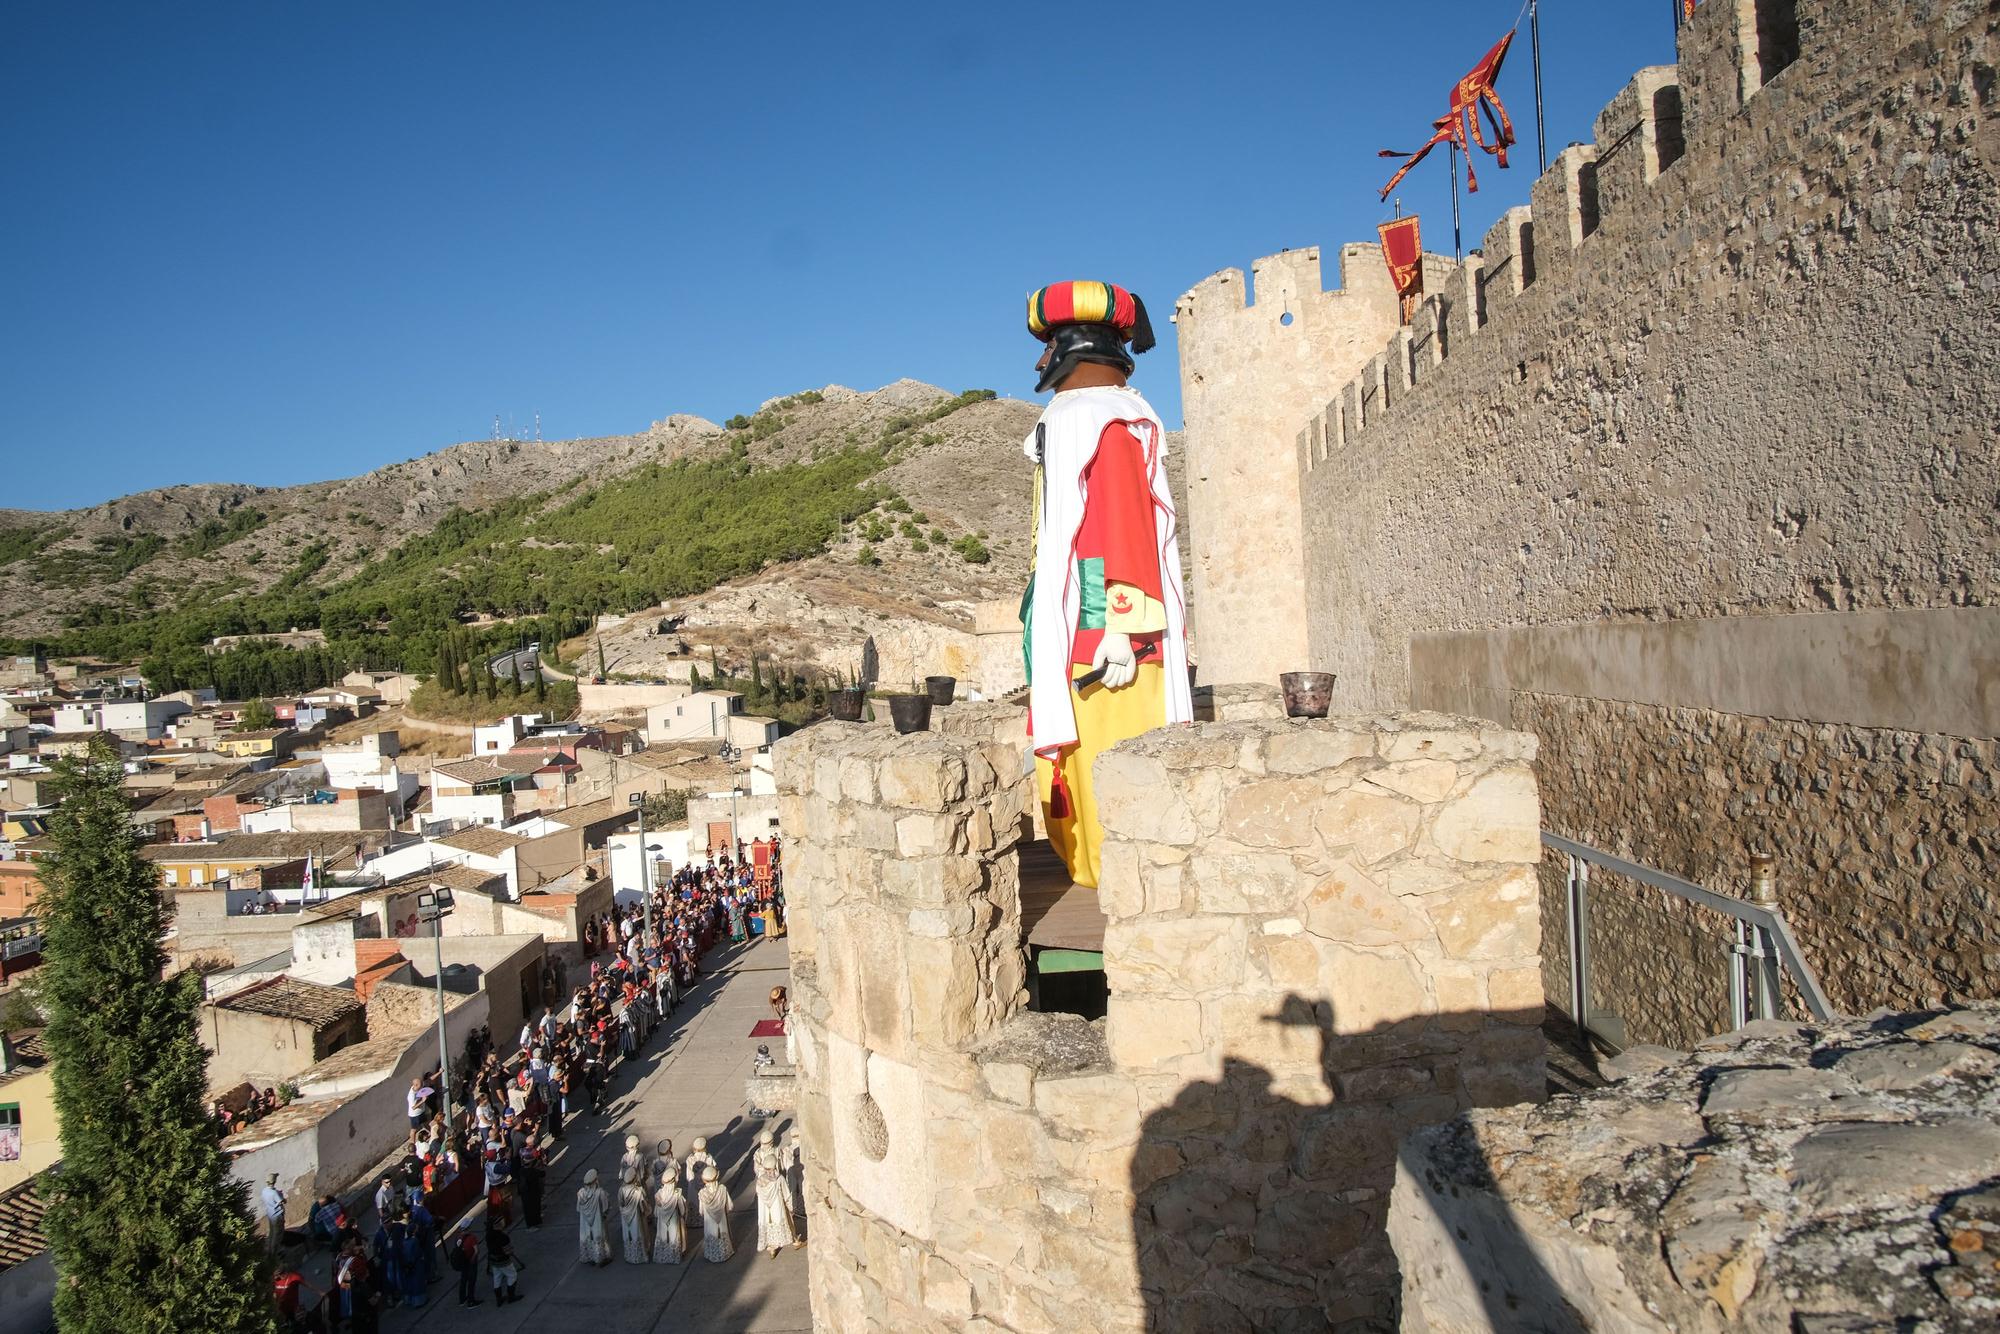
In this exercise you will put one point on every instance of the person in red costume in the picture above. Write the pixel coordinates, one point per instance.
(1105, 615)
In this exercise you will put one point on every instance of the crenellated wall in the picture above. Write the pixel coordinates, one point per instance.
(1318, 936)
(1691, 470)
(1251, 370)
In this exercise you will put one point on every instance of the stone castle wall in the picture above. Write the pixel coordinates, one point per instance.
(1251, 371)
(1691, 473)
(1318, 936)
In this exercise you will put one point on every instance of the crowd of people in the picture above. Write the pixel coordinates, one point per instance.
(260, 1104)
(507, 1114)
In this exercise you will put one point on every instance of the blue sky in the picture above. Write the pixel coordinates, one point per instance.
(276, 243)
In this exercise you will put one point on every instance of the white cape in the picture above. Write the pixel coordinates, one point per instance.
(1075, 420)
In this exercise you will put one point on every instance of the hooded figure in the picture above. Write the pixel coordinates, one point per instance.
(714, 1203)
(1105, 617)
(774, 1206)
(593, 1239)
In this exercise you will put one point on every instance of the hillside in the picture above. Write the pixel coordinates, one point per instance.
(798, 532)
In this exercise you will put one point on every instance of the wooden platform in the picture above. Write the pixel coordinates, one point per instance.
(1055, 913)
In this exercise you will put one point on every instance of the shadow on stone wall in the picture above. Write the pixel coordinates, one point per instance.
(1262, 1213)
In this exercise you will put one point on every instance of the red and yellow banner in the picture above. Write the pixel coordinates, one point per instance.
(1403, 251)
(1471, 97)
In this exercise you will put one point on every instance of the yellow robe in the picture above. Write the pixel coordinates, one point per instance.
(1103, 719)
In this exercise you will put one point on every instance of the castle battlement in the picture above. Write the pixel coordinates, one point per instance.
(1530, 256)
(1317, 935)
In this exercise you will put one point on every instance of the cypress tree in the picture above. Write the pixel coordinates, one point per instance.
(150, 1233)
(600, 661)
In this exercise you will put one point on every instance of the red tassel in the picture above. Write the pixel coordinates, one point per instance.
(1058, 798)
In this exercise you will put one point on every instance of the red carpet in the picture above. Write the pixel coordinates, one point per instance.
(768, 1028)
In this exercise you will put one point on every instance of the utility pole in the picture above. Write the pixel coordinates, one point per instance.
(638, 801)
(433, 905)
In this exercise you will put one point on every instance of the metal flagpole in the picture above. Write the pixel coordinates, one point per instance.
(1457, 245)
(1535, 42)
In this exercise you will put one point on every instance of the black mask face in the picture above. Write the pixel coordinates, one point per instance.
(1074, 343)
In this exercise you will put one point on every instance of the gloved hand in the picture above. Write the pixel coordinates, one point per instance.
(1114, 654)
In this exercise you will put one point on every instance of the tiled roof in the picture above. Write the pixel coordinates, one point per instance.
(21, 1238)
(491, 769)
(575, 817)
(261, 734)
(276, 846)
(454, 876)
(292, 998)
(482, 840)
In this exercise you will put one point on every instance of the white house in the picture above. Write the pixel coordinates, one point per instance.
(133, 719)
(702, 716)
(370, 765)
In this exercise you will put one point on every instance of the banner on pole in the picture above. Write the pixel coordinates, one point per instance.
(1403, 251)
(1472, 98)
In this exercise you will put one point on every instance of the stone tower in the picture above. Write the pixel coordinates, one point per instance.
(1251, 372)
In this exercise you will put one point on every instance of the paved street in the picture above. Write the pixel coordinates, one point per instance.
(690, 1082)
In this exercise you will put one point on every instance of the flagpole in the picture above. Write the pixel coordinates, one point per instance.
(1535, 41)
(1457, 244)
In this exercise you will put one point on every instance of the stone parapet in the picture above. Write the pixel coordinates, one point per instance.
(1318, 935)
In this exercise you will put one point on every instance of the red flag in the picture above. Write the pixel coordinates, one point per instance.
(1403, 250)
(1470, 97)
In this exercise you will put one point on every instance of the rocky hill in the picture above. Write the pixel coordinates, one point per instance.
(947, 530)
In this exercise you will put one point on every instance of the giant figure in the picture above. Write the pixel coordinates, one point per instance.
(1105, 617)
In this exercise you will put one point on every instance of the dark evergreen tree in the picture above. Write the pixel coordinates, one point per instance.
(150, 1233)
(601, 671)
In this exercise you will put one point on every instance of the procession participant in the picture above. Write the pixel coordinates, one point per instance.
(697, 1162)
(665, 1166)
(633, 1161)
(1106, 595)
(774, 1209)
(635, 1216)
(669, 1220)
(593, 1243)
(716, 1245)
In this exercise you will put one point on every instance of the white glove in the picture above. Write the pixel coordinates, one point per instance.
(1114, 654)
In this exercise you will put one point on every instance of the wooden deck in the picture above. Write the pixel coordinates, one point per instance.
(1055, 913)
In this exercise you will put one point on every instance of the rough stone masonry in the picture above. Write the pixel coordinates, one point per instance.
(1690, 471)
(1319, 935)
(1801, 1180)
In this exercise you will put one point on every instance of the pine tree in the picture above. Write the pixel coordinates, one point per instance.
(150, 1233)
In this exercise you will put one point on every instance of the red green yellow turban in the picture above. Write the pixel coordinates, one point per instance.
(1059, 304)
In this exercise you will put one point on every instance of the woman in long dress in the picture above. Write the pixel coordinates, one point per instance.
(715, 1243)
(669, 1221)
(593, 1242)
(635, 1215)
(698, 1161)
(664, 1167)
(774, 1210)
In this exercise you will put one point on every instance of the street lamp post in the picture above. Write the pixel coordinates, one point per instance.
(729, 755)
(638, 803)
(433, 905)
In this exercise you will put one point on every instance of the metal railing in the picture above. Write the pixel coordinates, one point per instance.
(1764, 952)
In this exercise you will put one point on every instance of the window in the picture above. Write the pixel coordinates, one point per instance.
(194, 875)
(10, 1132)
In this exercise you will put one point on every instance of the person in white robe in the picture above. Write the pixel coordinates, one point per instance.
(774, 1209)
(698, 1161)
(635, 1217)
(716, 1245)
(669, 1222)
(593, 1241)
(664, 1167)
